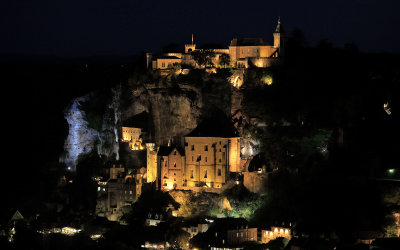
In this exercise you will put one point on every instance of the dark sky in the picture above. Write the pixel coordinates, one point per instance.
(126, 27)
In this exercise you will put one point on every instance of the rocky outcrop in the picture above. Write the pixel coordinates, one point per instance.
(81, 139)
(108, 136)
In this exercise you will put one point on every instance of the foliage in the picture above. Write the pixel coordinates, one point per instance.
(224, 60)
(149, 201)
(294, 147)
(203, 57)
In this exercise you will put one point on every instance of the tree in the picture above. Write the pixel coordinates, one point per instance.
(204, 57)
(224, 60)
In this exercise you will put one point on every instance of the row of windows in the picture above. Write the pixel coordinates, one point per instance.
(219, 173)
(205, 158)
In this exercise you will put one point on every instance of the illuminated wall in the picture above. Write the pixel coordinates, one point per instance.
(208, 160)
(238, 236)
(234, 155)
(165, 63)
(274, 233)
(172, 170)
(130, 134)
(151, 162)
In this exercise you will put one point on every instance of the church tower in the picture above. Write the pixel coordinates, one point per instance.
(278, 36)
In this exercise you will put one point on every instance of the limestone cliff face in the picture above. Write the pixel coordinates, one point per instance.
(81, 138)
(249, 145)
(108, 135)
(175, 111)
(174, 116)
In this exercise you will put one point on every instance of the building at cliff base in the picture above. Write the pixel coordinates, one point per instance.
(133, 137)
(210, 153)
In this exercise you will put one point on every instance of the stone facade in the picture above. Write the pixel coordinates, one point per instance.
(204, 163)
(172, 166)
(151, 162)
(133, 137)
(242, 52)
(241, 235)
(275, 232)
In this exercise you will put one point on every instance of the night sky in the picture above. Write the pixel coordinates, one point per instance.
(128, 27)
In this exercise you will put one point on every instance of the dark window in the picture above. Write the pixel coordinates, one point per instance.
(192, 147)
(206, 148)
(191, 175)
(205, 174)
(219, 172)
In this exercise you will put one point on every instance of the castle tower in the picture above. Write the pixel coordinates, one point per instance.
(149, 58)
(278, 36)
(190, 47)
(151, 162)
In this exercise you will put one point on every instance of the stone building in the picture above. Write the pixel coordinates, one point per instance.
(209, 159)
(241, 235)
(275, 232)
(119, 192)
(257, 51)
(172, 165)
(242, 53)
(133, 137)
(210, 153)
(151, 162)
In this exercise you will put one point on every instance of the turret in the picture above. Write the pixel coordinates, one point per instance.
(278, 35)
(190, 47)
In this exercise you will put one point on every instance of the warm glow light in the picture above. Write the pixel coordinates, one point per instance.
(276, 230)
(391, 171)
(267, 79)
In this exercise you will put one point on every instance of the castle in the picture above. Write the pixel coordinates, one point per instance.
(242, 53)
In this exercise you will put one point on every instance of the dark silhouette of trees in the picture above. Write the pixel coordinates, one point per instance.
(203, 57)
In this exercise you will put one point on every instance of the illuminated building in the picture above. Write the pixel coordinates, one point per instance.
(151, 162)
(242, 53)
(241, 235)
(121, 190)
(208, 160)
(132, 136)
(172, 165)
(275, 232)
